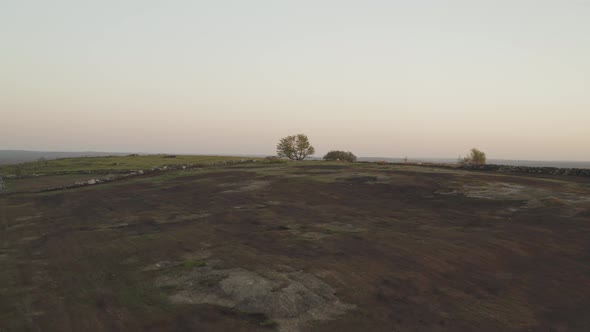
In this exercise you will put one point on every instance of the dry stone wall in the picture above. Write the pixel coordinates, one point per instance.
(531, 170)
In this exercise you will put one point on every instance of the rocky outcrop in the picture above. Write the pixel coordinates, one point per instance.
(291, 300)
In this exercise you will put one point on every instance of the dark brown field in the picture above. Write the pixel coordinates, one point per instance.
(304, 246)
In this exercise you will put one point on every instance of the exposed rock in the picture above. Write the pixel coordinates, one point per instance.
(247, 186)
(82, 184)
(161, 265)
(290, 299)
(522, 196)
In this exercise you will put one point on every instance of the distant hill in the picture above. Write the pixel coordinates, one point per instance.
(20, 156)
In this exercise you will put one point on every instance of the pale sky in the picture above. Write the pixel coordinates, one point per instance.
(376, 77)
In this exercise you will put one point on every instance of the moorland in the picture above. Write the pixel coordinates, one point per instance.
(226, 244)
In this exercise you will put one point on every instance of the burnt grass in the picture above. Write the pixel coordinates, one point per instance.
(404, 245)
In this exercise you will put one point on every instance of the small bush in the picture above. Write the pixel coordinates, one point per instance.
(475, 157)
(340, 155)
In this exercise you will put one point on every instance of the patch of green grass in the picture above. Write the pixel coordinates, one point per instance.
(111, 164)
(268, 323)
(8, 185)
(194, 263)
(141, 299)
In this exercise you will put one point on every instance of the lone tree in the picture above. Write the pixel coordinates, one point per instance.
(340, 155)
(295, 147)
(475, 157)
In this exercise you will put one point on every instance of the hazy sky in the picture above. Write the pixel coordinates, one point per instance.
(379, 78)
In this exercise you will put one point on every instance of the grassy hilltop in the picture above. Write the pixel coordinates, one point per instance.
(293, 246)
(110, 164)
(35, 176)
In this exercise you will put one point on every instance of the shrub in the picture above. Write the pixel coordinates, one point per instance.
(340, 155)
(475, 157)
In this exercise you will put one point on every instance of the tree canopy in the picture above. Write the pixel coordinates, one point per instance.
(295, 147)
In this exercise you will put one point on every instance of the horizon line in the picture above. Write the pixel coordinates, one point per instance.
(264, 155)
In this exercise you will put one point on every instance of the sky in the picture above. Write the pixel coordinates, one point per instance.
(386, 78)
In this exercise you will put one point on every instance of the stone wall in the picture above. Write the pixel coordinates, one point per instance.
(153, 171)
(530, 170)
(584, 172)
